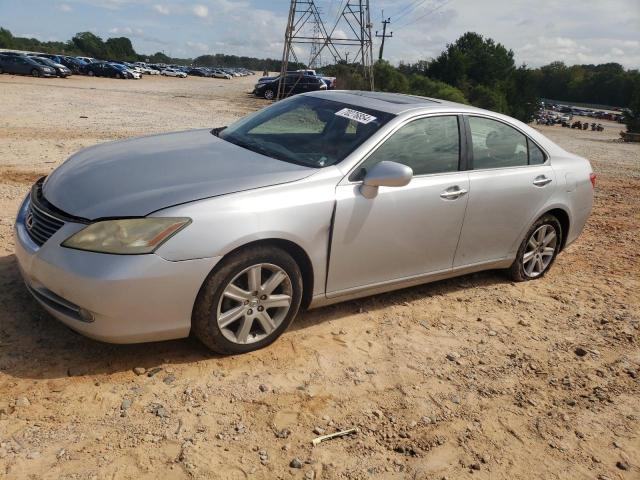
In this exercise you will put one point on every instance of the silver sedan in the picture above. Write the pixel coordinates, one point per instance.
(317, 199)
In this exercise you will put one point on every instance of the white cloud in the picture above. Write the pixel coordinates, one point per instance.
(202, 47)
(64, 7)
(162, 9)
(201, 11)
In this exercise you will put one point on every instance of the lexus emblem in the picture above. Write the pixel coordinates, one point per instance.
(29, 221)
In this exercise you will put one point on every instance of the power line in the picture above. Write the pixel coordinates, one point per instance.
(410, 9)
(433, 10)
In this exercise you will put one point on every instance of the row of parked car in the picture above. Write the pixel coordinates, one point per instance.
(51, 65)
(295, 82)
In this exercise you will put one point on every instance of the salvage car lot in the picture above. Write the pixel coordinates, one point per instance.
(472, 374)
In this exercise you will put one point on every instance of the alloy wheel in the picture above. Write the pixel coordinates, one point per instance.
(35, 73)
(269, 95)
(540, 250)
(254, 303)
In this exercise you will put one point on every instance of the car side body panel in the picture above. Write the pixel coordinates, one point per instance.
(322, 212)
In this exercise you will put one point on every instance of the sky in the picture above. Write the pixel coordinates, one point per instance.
(538, 31)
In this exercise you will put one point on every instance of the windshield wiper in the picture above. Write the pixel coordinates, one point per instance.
(216, 131)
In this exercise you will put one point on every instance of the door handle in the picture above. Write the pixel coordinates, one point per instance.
(541, 181)
(453, 193)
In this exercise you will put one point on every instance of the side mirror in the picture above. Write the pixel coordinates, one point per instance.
(385, 174)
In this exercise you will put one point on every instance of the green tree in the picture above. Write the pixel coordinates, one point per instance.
(389, 79)
(632, 115)
(521, 94)
(90, 44)
(472, 58)
(6, 39)
(120, 48)
(426, 87)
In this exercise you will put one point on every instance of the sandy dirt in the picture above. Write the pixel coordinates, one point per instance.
(475, 377)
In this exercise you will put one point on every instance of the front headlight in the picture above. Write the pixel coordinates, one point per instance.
(131, 236)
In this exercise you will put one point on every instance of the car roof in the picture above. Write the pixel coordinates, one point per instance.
(395, 103)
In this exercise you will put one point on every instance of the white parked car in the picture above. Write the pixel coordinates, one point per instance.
(150, 71)
(172, 72)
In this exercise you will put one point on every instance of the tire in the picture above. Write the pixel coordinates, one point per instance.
(91, 73)
(1, 71)
(35, 72)
(269, 94)
(119, 76)
(541, 249)
(243, 306)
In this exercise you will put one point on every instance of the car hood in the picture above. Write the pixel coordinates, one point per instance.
(136, 177)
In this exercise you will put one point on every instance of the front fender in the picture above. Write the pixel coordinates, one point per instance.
(298, 212)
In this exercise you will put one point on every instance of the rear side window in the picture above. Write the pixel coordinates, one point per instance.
(536, 156)
(428, 145)
(496, 145)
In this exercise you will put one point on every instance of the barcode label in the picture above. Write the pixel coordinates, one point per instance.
(356, 116)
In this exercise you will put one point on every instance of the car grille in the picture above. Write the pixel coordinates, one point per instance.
(41, 224)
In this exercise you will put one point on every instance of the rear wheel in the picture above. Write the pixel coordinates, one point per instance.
(269, 94)
(248, 301)
(91, 73)
(538, 250)
(35, 72)
(119, 76)
(1, 71)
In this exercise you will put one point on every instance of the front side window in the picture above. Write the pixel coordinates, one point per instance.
(497, 145)
(309, 131)
(428, 145)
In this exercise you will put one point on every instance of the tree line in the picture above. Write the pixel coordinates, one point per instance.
(478, 71)
(120, 48)
(473, 70)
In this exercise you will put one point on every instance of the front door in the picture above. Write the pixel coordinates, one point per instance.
(403, 231)
(510, 181)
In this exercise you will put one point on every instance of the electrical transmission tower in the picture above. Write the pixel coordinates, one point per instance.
(315, 58)
(352, 29)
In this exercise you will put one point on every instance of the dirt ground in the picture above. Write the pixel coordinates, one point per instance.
(475, 377)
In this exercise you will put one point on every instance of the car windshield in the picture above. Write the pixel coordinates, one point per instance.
(306, 130)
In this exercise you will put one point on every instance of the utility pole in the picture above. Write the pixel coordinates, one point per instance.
(384, 35)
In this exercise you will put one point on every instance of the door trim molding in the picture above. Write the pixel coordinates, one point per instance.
(322, 300)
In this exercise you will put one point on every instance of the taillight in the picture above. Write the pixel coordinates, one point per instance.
(592, 177)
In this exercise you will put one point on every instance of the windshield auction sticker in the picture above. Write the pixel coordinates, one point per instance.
(356, 116)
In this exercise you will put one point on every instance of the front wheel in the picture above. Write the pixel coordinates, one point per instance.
(538, 250)
(248, 301)
(91, 73)
(269, 94)
(35, 72)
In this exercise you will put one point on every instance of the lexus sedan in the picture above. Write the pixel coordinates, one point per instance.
(317, 199)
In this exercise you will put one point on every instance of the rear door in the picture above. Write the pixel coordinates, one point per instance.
(21, 65)
(510, 180)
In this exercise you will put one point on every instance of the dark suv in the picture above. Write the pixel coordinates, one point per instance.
(293, 84)
(24, 65)
(105, 70)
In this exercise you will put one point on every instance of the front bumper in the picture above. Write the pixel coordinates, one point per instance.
(112, 298)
